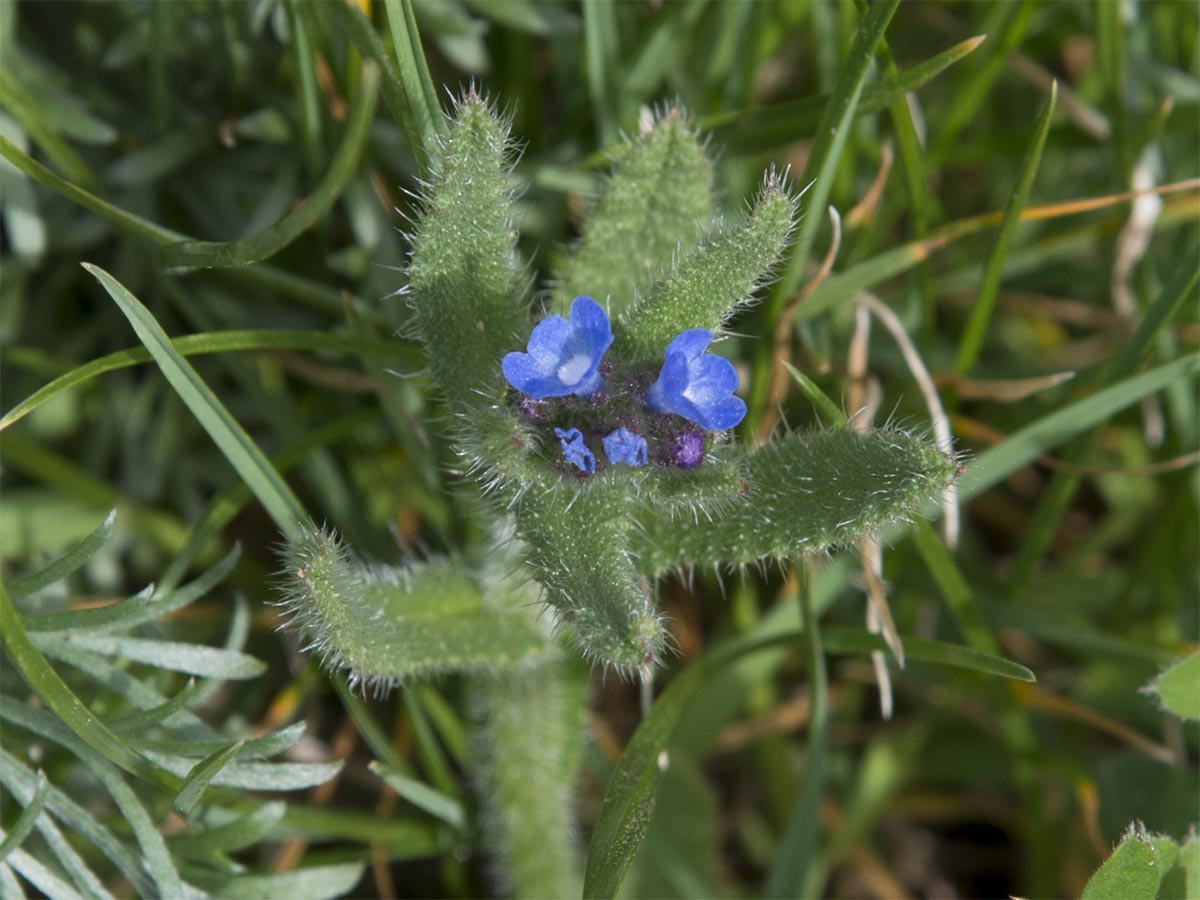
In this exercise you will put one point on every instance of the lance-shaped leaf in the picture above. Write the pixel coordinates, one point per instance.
(659, 196)
(383, 625)
(805, 493)
(708, 285)
(578, 539)
(465, 279)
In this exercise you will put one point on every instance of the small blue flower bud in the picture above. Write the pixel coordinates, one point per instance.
(562, 356)
(696, 385)
(623, 446)
(575, 451)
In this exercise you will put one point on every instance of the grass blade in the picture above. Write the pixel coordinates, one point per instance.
(73, 559)
(421, 121)
(1023, 447)
(852, 640)
(25, 110)
(985, 301)
(26, 820)
(173, 656)
(200, 345)
(629, 798)
(209, 254)
(422, 796)
(792, 869)
(241, 451)
(819, 172)
(201, 775)
(47, 684)
(778, 124)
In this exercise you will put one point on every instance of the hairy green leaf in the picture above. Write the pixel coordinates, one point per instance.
(658, 198)
(577, 540)
(1178, 688)
(805, 493)
(1133, 872)
(465, 280)
(384, 625)
(709, 284)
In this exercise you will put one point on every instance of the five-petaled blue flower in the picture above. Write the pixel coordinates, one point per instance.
(562, 356)
(575, 451)
(696, 385)
(623, 446)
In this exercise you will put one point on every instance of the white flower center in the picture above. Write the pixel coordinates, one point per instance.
(573, 370)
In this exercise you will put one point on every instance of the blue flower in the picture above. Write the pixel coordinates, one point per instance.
(623, 446)
(575, 451)
(696, 385)
(562, 356)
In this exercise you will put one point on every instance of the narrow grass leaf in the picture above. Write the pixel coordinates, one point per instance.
(403, 838)
(422, 796)
(252, 748)
(1178, 688)
(69, 562)
(956, 592)
(310, 883)
(793, 868)
(255, 776)
(826, 408)
(26, 820)
(1023, 447)
(241, 451)
(26, 111)
(144, 606)
(201, 775)
(422, 120)
(53, 725)
(47, 684)
(204, 344)
(121, 219)
(358, 28)
(820, 170)
(210, 254)
(600, 64)
(72, 863)
(243, 831)
(852, 640)
(41, 877)
(775, 125)
(21, 783)
(831, 134)
(173, 656)
(985, 301)
(629, 797)
(1133, 872)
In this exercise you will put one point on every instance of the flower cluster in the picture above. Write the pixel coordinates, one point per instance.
(635, 420)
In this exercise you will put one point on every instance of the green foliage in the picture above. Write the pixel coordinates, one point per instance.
(707, 287)
(465, 277)
(1135, 870)
(658, 198)
(383, 625)
(1178, 687)
(804, 493)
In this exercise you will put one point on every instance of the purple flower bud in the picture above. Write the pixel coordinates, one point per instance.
(686, 450)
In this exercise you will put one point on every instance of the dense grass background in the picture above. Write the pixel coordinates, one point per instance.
(161, 125)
